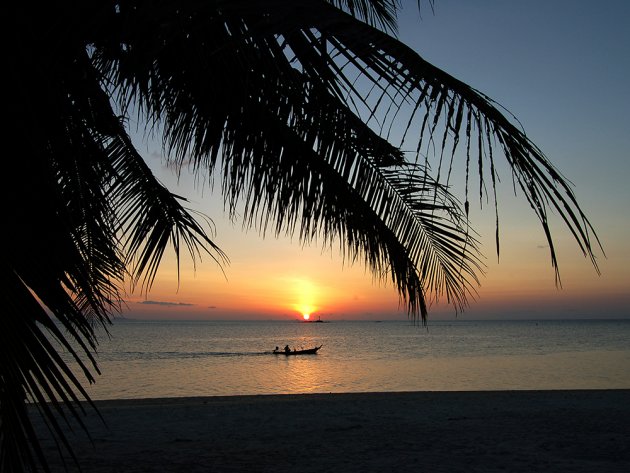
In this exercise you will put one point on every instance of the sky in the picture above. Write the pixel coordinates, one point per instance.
(562, 69)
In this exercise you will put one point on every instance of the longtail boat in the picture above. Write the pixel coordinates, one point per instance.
(308, 351)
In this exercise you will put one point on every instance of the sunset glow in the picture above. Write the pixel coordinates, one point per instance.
(278, 277)
(305, 293)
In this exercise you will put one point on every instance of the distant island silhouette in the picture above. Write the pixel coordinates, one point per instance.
(318, 321)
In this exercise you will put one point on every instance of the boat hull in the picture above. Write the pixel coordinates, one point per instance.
(309, 351)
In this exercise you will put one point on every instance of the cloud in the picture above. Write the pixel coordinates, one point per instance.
(212, 307)
(165, 303)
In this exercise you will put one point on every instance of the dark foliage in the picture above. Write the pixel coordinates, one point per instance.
(293, 104)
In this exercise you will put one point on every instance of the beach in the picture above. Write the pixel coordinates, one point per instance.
(485, 431)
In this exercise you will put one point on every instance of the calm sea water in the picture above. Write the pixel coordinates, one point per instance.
(159, 359)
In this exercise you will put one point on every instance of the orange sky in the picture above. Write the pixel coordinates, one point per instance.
(273, 278)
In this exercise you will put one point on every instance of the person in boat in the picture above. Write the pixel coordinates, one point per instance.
(287, 349)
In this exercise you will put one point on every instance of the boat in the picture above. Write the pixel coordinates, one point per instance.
(308, 351)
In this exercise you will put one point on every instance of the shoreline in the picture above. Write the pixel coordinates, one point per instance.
(436, 431)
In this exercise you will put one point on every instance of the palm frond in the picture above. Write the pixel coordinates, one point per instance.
(437, 101)
(32, 369)
(378, 13)
(150, 218)
(280, 138)
(296, 104)
(66, 260)
(267, 55)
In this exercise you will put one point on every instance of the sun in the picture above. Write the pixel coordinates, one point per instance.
(305, 294)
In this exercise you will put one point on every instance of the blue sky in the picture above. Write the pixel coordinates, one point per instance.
(562, 68)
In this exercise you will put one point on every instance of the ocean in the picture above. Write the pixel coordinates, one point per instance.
(148, 359)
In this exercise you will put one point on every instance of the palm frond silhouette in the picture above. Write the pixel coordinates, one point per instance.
(305, 110)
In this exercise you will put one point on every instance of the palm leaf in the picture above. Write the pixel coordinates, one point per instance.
(445, 100)
(280, 135)
(296, 106)
(67, 255)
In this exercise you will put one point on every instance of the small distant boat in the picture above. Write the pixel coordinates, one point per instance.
(308, 351)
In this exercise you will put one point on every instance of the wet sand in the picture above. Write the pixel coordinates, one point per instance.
(507, 431)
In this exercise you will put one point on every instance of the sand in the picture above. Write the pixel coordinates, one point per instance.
(506, 431)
